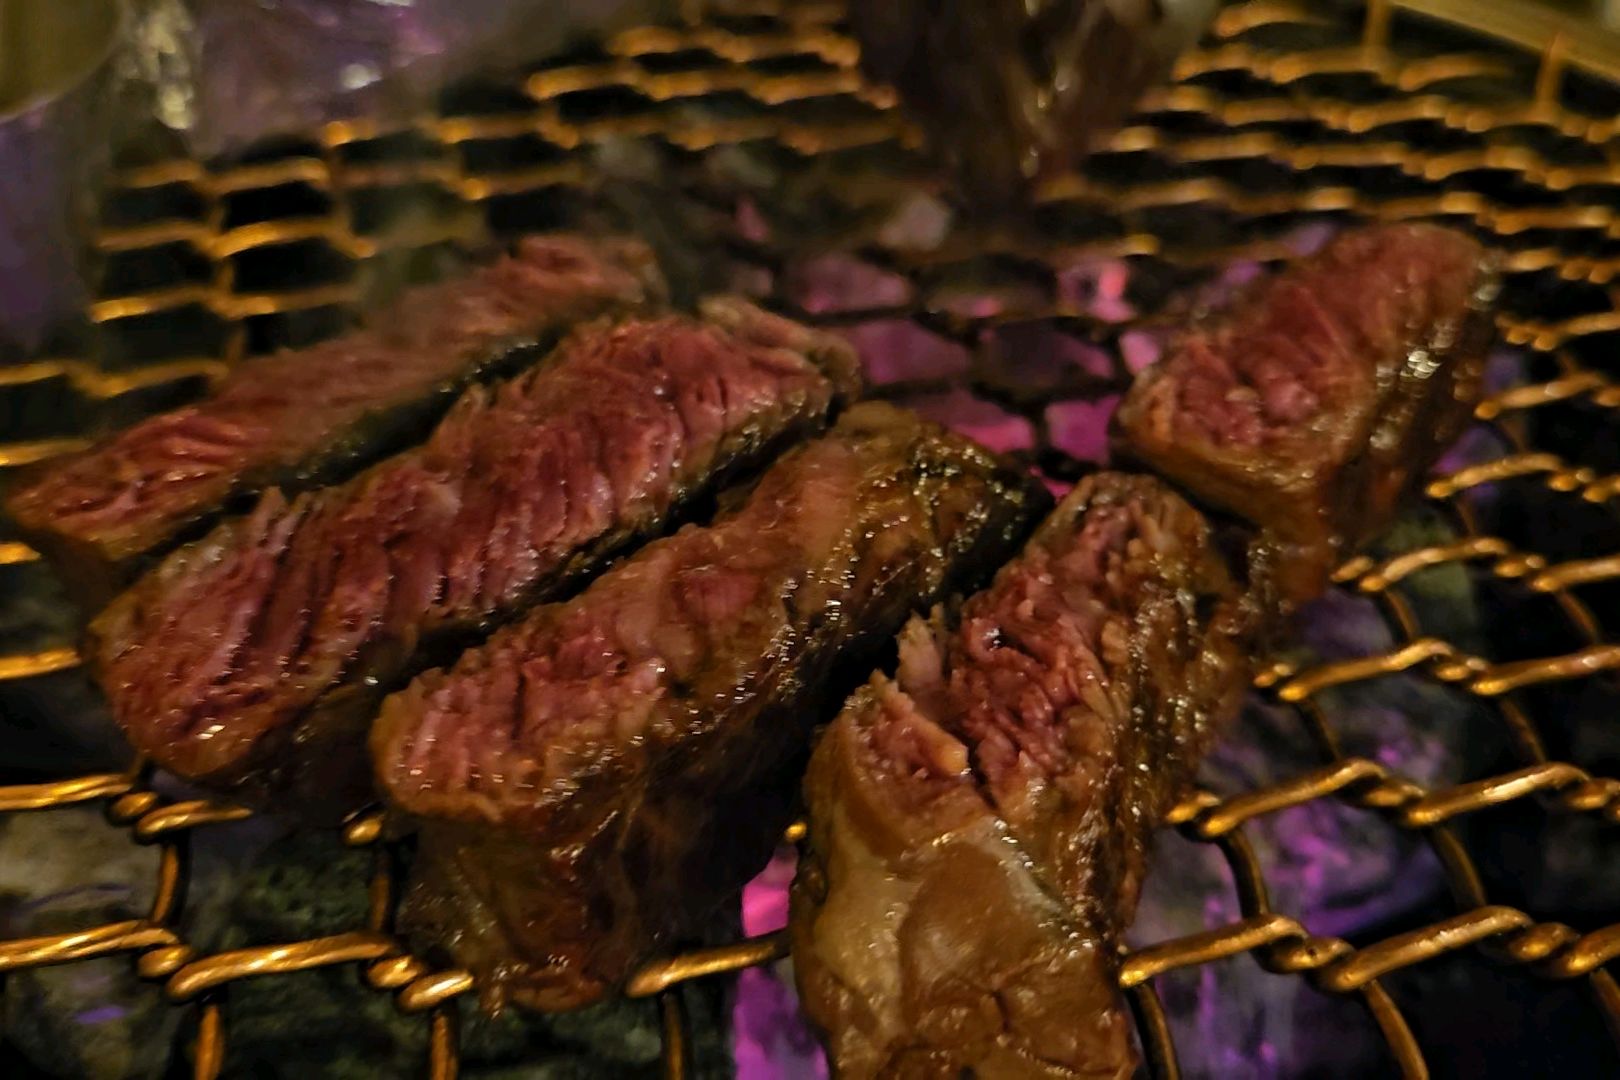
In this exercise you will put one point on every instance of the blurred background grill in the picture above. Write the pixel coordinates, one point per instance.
(1415, 819)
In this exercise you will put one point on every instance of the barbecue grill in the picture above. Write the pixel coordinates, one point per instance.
(754, 122)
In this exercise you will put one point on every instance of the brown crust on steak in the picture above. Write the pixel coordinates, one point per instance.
(980, 823)
(1317, 401)
(253, 660)
(299, 419)
(595, 779)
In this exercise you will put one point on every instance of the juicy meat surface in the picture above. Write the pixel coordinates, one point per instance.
(592, 781)
(979, 823)
(298, 418)
(257, 654)
(1313, 404)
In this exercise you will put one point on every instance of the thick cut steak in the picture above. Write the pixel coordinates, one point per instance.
(256, 656)
(979, 823)
(299, 419)
(594, 780)
(1314, 403)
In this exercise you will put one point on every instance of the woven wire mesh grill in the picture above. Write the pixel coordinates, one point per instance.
(1480, 117)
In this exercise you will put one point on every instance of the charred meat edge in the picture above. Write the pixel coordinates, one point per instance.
(1314, 403)
(304, 734)
(979, 824)
(300, 419)
(591, 783)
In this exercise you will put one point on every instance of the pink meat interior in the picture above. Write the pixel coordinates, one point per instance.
(514, 714)
(1025, 689)
(237, 635)
(281, 408)
(1296, 351)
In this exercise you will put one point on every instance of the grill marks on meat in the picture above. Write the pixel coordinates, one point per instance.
(1312, 406)
(301, 418)
(979, 823)
(592, 781)
(267, 644)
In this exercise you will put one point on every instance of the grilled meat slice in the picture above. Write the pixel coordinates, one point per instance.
(1033, 744)
(1314, 403)
(979, 823)
(924, 944)
(594, 780)
(256, 656)
(300, 419)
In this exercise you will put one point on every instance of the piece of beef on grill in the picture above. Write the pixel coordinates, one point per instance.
(1315, 402)
(979, 823)
(592, 781)
(302, 418)
(255, 656)
(1011, 92)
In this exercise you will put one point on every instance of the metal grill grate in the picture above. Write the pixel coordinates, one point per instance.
(1472, 113)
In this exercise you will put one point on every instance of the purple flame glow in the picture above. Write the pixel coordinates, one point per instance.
(771, 1039)
(1096, 287)
(978, 419)
(839, 282)
(1080, 428)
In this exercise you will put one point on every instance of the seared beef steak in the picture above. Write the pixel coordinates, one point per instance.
(302, 418)
(1033, 743)
(592, 781)
(924, 945)
(256, 655)
(979, 823)
(1312, 405)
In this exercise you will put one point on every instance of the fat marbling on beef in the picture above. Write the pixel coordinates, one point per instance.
(979, 823)
(253, 659)
(301, 418)
(1314, 403)
(593, 781)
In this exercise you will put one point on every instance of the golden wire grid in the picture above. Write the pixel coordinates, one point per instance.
(1469, 113)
